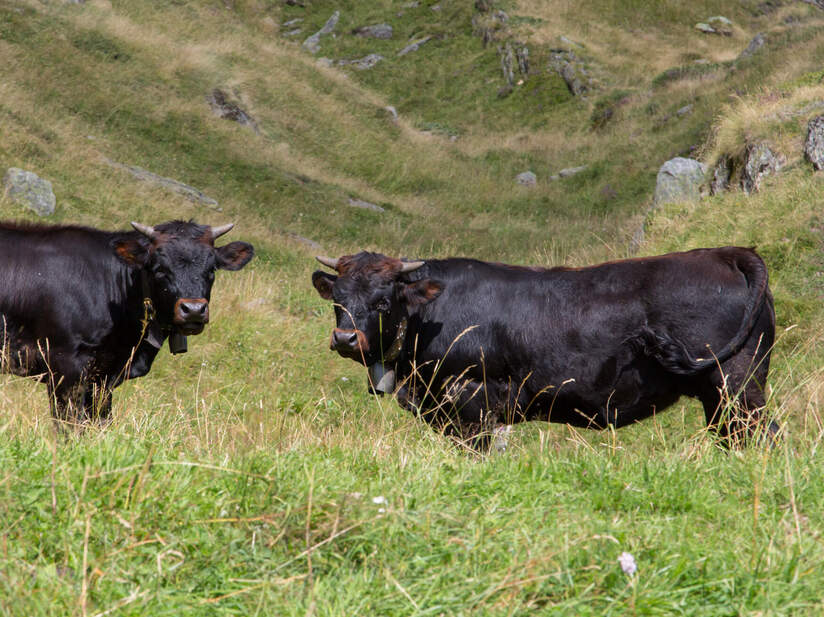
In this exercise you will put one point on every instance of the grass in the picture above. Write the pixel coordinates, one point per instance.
(239, 478)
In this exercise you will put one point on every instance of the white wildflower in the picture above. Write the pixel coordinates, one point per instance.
(380, 499)
(628, 564)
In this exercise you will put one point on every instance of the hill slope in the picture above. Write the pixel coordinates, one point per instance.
(244, 476)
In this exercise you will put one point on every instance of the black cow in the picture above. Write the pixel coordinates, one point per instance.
(84, 309)
(473, 345)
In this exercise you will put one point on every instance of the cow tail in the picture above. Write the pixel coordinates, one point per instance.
(674, 356)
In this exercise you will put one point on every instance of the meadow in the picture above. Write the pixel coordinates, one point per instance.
(254, 475)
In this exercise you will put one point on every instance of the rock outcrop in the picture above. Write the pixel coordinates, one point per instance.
(759, 162)
(814, 143)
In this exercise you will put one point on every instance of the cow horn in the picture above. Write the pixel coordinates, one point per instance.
(219, 231)
(328, 262)
(408, 266)
(146, 230)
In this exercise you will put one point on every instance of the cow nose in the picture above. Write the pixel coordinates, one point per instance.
(345, 340)
(192, 310)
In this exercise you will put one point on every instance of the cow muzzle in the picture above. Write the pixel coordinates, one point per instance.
(351, 343)
(191, 315)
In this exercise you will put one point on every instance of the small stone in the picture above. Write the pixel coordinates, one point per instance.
(705, 28)
(392, 112)
(292, 22)
(189, 192)
(224, 108)
(756, 43)
(365, 205)
(377, 31)
(527, 178)
(414, 46)
(30, 191)
(312, 43)
(571, 171)
(362, 64)
(294, 32)
(814, 143)
(686, 109)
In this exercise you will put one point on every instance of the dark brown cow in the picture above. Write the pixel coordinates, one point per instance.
(473, 344)
(84, 309)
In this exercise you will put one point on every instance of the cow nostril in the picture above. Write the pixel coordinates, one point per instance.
(184, 308)
(353, 338)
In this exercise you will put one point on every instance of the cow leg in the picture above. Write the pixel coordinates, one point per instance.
(66, 402)
(733, 397)
(97, 403)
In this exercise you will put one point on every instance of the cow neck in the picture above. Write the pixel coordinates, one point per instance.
(382, 374)
(153, 332)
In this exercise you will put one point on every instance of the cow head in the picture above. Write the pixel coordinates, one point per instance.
(178, 261)
(372, 295)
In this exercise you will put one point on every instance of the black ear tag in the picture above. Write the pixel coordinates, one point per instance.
(177, 343)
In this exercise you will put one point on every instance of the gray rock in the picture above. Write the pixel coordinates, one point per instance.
(686, 109)
(759, 162)
(377, 31)
(527, 178)
(29, 190)
(507, 62)
(292, 22)
(679, 179)
(294, 32)
(721, 175)
(756, 43)
(367, 62)
(303, 240)
(814, 143)
(313, 42)
(392, 112)
(721, 25)
(365, 205)
(571, 171)
(189, 192)
(414, 46)
(705, 28)
(224, 108)
(572, 70)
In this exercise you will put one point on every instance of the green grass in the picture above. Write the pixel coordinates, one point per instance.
(238, 479)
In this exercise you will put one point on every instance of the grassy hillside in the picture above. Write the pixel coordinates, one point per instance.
(244, 477)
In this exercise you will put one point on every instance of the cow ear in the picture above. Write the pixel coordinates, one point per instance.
(132, 251)
(234, 256)
(323, 282)
(421, 292)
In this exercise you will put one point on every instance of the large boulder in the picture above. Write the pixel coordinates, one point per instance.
(814, 144)
(759, 162)
(29, 190)
(679, 179)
